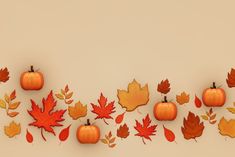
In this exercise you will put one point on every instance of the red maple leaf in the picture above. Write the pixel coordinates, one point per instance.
(145, 130)
(44, 117)
(103, 110)
(4, 75)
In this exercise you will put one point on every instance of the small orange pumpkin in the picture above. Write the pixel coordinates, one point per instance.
(214, 97)
(165, 111)
(88, 134)
(32, 80)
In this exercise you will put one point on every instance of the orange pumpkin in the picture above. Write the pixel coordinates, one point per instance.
(165, 111)
(214, 97)
(88, 134)
(32, 80)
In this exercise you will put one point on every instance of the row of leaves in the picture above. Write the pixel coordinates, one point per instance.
(192, 125)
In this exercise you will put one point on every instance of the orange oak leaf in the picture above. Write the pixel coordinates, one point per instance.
(4, 75)
(44, 117)
(78, 111)
(103, 110)
(226, 127)
(145, 130)
(231, 78)
(192, 128)
(12, 130)
(123, 131)
(134, 97)
(164, 87)
(183, 98)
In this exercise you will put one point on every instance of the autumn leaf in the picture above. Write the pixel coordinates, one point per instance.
(109, 140)
(209, 116)
(164, 87)
(170, 136)
(183, 98)
(4, 75)
(64, 134)
(78, 111)
(29, 136)
(12, 129)
(123, 131)
(231, 78)
(197, 102)
(227, 127)
(120, 118)
(65, 95)
(145, 130)
(44, 117)
(103, 110)
(134, 97)
(192, 128)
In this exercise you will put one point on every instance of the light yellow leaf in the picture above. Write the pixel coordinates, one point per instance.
(232, 110)
(78, 111)
(204, 117)
(183, 98)
(135, 96)
(104, 141)
(14, 105)
(12, 130)
(60, 96)
(227, 127)
(2, 104)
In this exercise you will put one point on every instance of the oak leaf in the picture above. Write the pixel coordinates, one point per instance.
(134, 97)
(227, 127)
(103, 110)
(164, 87)
(123, 131)
(231, 78)
(192, 128)
(44, 117)
(12, 129)
(145, 130)
(183, 98)
(4, 75)
(78, 111)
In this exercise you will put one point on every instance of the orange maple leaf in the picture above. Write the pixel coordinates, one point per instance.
(164, 87)
(103, 110)
(44, 117)
(4, 75)
(231, 78)
(145, 130)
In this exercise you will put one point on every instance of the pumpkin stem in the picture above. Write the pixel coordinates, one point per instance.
(88, 122)
(31, 68)
(165, 99)
(213, 86)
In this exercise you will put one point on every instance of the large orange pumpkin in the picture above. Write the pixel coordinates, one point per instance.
(32, 80)
(214, 97)
(88, 134)
(165, 111)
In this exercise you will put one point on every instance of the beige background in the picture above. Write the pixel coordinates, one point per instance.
(102, 45)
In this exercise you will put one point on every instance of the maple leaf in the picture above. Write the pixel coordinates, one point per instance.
(12, 130)
(135, 96)
(226, 127)
(78, 111)
(182, 98)
(145, 130)
(164, 87)
(123, 131)
(4, 75)
(44, 117)
(192, 127)
(103, 110)
(231, 78)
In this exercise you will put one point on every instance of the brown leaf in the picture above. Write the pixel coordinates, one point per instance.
(164, 87)
(192, 128)
(123, 131)
(182, 98)
(231, 78)
(112, 140)
(4, 75)
(112, 145)
(212, 117)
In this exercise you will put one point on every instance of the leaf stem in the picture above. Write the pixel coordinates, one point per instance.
(143, 140)
(105, 121)
(43, 135)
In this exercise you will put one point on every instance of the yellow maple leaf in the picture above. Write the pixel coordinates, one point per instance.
(182, 98)
(227, 127)
(77, 111)
(135, 96)
(12, 130)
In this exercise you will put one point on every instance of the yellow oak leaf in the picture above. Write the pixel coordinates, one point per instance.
(12, 130)
(135, 96)
(227, 127)
(182, 98)
(77, 111)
